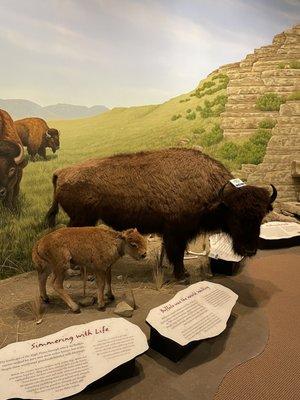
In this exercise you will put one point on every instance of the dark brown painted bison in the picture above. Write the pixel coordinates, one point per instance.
(176, 193)
(11, 161)
(36, 136)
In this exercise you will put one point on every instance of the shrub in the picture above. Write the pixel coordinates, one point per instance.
(191, 115)
(294, 96)
(213, 137)
(267, 123)
(281, 65)
(229, 151)
(184, 100)
(295, 64)
(253, 151)
(198, 131)
(269, 102)
(219, 110)
(189, 110)
(175, 117)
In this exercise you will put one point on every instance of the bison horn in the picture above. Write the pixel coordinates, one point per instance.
(47, 134)
(20, 157)
(274, 194)
(221, 191)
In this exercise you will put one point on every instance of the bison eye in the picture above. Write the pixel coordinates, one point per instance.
(133, 244)
(11, 172)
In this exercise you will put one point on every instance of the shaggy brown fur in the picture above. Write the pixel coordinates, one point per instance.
(94, 249)
(36, 136)
(172, 192)
(11, 161)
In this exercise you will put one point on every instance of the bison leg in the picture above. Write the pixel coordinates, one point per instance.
(100, 279)
(42, 152)
(58, 286)
(109, 293)
(175, 247)
(42, 279)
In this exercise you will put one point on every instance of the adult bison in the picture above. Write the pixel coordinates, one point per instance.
(36, 136)
(176, 193)
(11, 161)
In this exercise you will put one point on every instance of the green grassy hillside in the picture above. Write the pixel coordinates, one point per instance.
(190, 119)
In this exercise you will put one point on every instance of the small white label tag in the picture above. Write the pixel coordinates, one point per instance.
(237, 182)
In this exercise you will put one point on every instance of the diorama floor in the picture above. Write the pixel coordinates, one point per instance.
(256, 357)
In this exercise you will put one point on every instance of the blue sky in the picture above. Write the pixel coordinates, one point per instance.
(127, 52)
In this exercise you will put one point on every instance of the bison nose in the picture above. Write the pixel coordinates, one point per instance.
(2, 192)
(144, 255)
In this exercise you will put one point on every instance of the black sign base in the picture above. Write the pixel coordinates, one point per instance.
(124, 371)
(266, 244)
(167, 347)
(222, 267)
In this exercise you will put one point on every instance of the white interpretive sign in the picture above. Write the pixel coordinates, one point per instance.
(64, 363)
(221, 248)
(279, 230)
(198, 312)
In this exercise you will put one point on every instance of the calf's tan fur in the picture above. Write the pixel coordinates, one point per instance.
(93, 248)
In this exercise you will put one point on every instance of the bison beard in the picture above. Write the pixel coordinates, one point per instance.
(174, 193)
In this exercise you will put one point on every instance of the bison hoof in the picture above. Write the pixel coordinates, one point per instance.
(101, 308)
(110, 297)
(76, 311)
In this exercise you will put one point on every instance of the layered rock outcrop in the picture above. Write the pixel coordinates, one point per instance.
(270, 69)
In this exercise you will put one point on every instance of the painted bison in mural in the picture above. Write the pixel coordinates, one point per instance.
(36, 136)
(11, 161)
(176, 193)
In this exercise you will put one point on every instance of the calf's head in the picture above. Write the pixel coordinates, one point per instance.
(243, 210)
(11, 160)
(135, 245)
(52, 139)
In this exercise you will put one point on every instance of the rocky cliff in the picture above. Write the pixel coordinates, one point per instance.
(269, 69)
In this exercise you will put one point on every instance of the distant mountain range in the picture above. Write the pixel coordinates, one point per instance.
(19, 108)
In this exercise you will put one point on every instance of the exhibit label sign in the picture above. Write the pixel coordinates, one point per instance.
(221, 248)
(64, 363)
(198, 312)
(279, 230)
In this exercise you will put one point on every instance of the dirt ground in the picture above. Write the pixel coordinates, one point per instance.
(201, 372)
(18, 295)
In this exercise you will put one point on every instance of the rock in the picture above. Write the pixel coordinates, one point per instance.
(123, 309)
(275, 216)
(291, 207)
(199, 148)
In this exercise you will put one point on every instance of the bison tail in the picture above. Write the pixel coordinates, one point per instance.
(39, 262)
(53, 210)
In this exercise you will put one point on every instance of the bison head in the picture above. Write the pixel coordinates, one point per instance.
(11, 159)
(243, 210)
(52, 139)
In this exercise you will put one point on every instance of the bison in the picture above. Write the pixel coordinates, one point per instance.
(176, 193)
(11, 161)
(59, 250)
(36, 136)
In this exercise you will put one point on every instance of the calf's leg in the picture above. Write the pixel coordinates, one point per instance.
(100, 280)
(109, 293)
(42, 279)
(58, 286)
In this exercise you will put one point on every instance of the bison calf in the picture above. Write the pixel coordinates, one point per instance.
(93, 248)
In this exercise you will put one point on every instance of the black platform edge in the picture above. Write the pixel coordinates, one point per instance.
(123, 371)
(267, 244)
(222, 267)
(167, 347)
